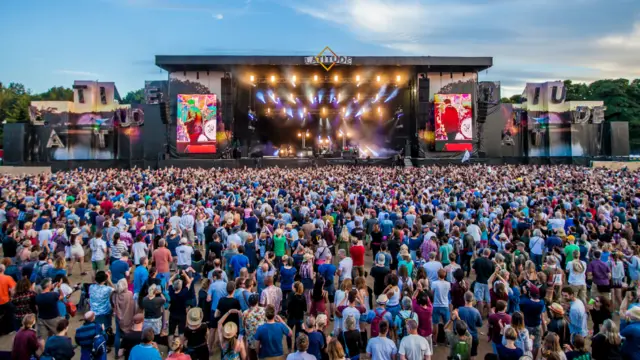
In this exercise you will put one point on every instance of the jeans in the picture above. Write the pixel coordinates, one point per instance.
(537, 259)
(291, 323)
(106, 320)
(118, 335)
(164, 277)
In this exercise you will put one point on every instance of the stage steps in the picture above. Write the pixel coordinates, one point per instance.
(408, 163)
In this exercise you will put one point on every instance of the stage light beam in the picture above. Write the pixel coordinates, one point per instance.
(252, 78)
(273, 78)
(335, 78)
(398, 78)
(315, 78)
(378, 78)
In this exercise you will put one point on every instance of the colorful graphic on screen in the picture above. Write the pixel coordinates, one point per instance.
(454, 122)
(196, 124)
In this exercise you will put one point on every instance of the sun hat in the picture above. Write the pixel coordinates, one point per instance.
(229, 330)
(382, 299)
(75, 231)
(194, 317)
(184, 241)
(557, 309)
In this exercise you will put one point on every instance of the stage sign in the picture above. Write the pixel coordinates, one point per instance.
(328, 59)
(196, 124)
(454, 122)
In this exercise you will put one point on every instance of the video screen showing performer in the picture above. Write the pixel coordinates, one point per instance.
(454, 122)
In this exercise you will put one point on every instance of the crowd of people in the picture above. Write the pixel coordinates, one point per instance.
(328, 263)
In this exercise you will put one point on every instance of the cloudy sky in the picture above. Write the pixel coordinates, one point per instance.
(48, 43)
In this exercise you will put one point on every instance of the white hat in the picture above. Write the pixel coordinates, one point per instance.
(184, 241)
(173, 232)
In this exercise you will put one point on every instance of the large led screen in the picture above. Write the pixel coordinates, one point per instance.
(454, 122)
(196, 124)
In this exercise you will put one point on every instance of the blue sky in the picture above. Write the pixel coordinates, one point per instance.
(47, 43)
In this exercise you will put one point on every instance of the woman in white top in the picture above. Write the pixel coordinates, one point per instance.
(577, 277)
(345, 287)
(77, 251)
(617, 277)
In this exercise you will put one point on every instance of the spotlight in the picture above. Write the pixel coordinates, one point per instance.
(335, 78)
(358, 78)
(379, 109)
(378, 78)
(304, 110)
(284, 111)
(252, 78)
(293, 78)
(398, 78)
(268, 111)
(340, 135)
(315, 77)
(344, 110)
(307, 134)
(348, 134)
(273, 78)
(324, 111)
(299, 134)
(358, 96)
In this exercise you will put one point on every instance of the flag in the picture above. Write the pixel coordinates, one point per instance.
(466, 156)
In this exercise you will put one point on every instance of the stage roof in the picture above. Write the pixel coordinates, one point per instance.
(172, 63)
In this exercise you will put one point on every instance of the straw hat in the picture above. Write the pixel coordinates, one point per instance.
(557, 309)
(75, 231)
(229, 330)
(184, 241)
(382, 299)
(634, 313)
(194, 317)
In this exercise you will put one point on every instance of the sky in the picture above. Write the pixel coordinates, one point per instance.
(45, 43)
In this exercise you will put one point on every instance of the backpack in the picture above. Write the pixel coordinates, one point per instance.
(99, 347)
(36, 273)
(404, 324)
(461, 351)
(375, 324)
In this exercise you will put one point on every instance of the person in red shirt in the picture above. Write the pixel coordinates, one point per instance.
(163, 259)
(450, 119)
(498, 321)
(106, 205)
(357, 255)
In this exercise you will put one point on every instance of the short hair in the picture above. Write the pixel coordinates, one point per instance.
(468, 297)
(406, 303)
(411, 325)
(177, 285)
(461, 328)
(567, 290)
(383, 327)
(101, 277)
(270, 312)
(45, 283)
(302, 342)
(61, 325)
(501, 305)
(343, 252)
(143, 259)
(442, 273)
(231, 287)
(511, 334)
(597, 254)
(148, 335)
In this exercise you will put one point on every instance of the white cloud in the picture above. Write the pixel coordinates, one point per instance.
(218, 16)
(521, 35)
(86, 74)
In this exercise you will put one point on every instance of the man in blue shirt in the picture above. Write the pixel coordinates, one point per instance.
(577, 313)
(146, 350)
(387, 225)
(269, 335)
(140, 276)
(328, 272)
(120, 268)
(471, 316)
(217, 291)
(381, 347)
(239, 261)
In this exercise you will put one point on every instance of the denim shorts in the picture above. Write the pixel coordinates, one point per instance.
(481, 292)
(440, 313)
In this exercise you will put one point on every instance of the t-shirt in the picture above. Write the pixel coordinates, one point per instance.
(357, 254)
(251, 224)
(184, 253)
(238, 262)
(379, 273)
(316, 343)
(328, 272)
(414, 347)
(178, 303)
(119, 270)
(279, 245)
(345, 265)
(568, 251)
(508, 354)
(144, 352)
(140, 277)
(531, 311)
(47, 304)
(139, 250)
(472, 317)
(270, 337)
(162, 258)
(484, 268)
(6, 284)
(381, 348)
(224, 305)
(494, 325)
(441, 289)
(286, 277)
(153, 307)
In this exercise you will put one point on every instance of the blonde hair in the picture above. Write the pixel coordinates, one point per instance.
(350, 322)
(347, 285)
(335, 350)
(176, 345)
(60, 263)
(28, 321)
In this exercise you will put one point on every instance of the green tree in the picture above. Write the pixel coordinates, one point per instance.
(14, 103)
(134, 97)
(578, 91)
(56, 93)
(505, 100)
(516, 99)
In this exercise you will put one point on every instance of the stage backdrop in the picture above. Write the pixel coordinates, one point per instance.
(196, 120)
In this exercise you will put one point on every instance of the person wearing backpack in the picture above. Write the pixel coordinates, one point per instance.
(459, 338)
(414, 346)
(378, 315)
(403, 316)
(89, 337)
